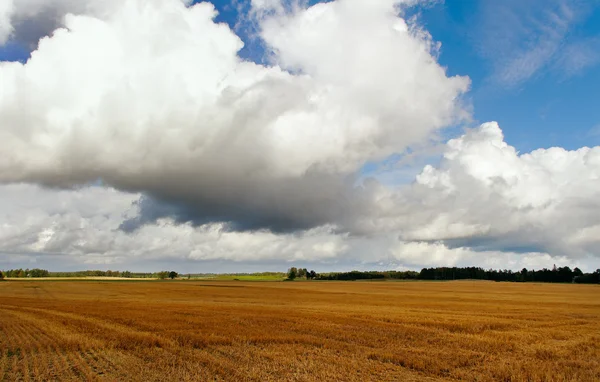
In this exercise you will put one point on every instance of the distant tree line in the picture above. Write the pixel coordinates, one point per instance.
(301, 273)
(98, 273)
(22, 273)
(36, 273)
(554, 275)
(369, 275)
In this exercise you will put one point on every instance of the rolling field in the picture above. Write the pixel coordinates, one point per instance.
(301, 331)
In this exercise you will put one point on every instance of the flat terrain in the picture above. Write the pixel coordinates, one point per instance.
(86, 278)
(300, 331)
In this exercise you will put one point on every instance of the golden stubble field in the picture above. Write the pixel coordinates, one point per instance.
(301, 331)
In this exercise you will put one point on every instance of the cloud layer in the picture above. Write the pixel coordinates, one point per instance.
(135, 133)
(484, 204)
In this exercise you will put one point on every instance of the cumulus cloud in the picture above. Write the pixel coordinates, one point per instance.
(6, 28)
(486, 196)
(150, 96)
(26, 21)
(136, 133)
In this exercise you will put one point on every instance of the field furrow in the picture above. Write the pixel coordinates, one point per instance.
(99, 365)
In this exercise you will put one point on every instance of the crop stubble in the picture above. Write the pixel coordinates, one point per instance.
(304, 331)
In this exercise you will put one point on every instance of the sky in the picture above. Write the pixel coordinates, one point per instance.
(245, 136)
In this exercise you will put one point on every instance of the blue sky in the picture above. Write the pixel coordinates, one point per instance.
(553, 103)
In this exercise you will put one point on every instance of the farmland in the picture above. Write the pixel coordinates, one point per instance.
(299, 331)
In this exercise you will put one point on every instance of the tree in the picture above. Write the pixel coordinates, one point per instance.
(36, 272)
(564, 275)
(292, 273)
(301, 273)
(1, 275)
(524, 274)
(172, 275)
(162, 275)
(311, 275)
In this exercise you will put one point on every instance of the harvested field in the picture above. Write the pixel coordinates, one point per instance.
(300, 331)
(84, 278)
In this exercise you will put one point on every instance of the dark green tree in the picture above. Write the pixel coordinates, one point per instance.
(523, 275)
(172, 275)
(292, 273)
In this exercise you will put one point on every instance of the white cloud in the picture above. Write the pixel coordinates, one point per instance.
(487, 196)
(26, 21)
(6, 28)
(152, 97)
(439, 255)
